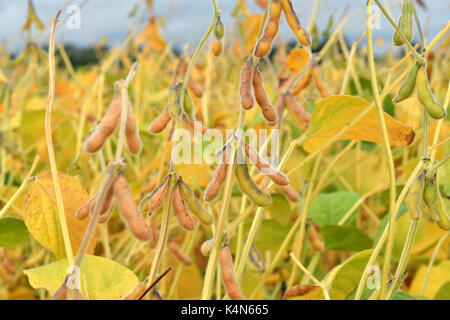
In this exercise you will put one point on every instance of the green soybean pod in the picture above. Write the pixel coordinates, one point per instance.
(408, 86)
(219, 29)
(188, 105)
(415, 198)
(440, 215)
(193, 204)
(405, 23)
(175, 108)
(249, 187)
(434, 109)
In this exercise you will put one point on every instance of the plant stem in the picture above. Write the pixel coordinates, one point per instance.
(388, 153)
(49, 141)
(22, 187)
(404, 258)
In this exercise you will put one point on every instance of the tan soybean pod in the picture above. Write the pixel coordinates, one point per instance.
(294, 23)
(303, 83)
(87, 208)
(300, 115)
(218, 179)
(155, 198)
(134, 142)
(161, 121)
(179, 254)
(217, 48)
(179, 208)
(129, 210)
(206, 247)
(261, 97)
(228, 276)
(290, 193)
(270, 30)
(193, 204)
(245, 89)
(249, 187)
(434, 109)
(314, 239)
(298, 291)
(276, 176)
(319, 83)
(63, 292)
(106, 127)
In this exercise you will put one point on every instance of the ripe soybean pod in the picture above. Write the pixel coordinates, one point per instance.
(63, 292)
(179, 208)
(278, 177)
(249, 187)
(298, 290)
(290, 193)
(175, 107)
(434, 109)
(414, 201)
(106, 127)
(220, 175)
(228, 276)
(134, 143)
(217, 48)
(155, 198)
(314, 239)
(129, 210)
(405, 23)
(261, 97)
(408, 86)
(161, 121)
(245, 89)
(301, 34)
(193, 203)
(87, 208)
(300, 115)
(270, 30)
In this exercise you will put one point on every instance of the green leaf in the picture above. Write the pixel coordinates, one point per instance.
(271, 235)
(280, 209)
(402, 295)
(329, 208)
(13, 232)
(101, 278)
(344, 278)
(444, 292)
(345, 238)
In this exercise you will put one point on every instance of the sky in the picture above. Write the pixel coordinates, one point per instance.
(186, 20)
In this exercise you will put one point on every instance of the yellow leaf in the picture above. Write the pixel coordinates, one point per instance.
(100, 278)
(439, 275)
(298, 59)
(41, 214)
(335, 112)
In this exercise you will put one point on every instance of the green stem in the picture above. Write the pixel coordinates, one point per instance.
(388, 152)
(50, 149)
